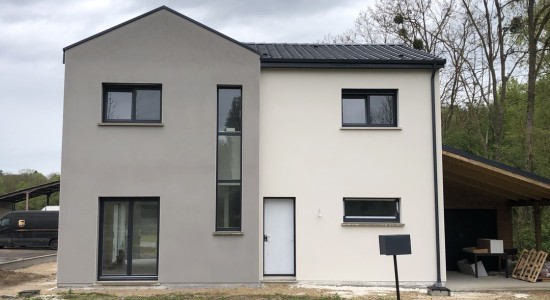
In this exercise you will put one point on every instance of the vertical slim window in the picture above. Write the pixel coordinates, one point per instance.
(229, 144)
(128, 242)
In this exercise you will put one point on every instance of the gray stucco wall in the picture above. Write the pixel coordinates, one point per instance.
(176, 162)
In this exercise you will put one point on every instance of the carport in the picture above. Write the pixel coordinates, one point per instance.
(7, 201)
(478, 198)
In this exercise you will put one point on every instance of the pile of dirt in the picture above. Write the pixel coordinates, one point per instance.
(11, 278)
(38, 277)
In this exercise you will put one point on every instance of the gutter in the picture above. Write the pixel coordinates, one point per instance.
(438, 287)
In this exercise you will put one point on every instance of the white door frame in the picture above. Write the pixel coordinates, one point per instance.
(293, 199)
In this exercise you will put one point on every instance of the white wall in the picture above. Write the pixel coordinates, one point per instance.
(304, 153)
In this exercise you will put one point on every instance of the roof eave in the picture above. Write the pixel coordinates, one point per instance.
(152, 12)
(351, 64)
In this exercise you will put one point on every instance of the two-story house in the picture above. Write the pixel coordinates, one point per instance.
(192, 158)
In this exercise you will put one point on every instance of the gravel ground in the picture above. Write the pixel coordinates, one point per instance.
(43, 276)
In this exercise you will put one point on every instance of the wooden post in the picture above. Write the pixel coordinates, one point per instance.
(48, 199)
(537, 214)
(27, 200)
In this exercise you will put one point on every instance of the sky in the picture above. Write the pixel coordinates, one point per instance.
(34, 32)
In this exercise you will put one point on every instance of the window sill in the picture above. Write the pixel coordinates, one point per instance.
(370, 128)
(132, 124)
(373, 224)
(228, 233)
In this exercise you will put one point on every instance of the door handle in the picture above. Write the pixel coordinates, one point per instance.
(266, 238)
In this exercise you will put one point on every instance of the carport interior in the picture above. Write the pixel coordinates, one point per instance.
(479, 195)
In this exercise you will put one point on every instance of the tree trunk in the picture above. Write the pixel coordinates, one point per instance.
(531, 81)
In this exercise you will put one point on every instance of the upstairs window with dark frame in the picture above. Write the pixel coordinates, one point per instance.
(369, 108)
(379, 210)
(132, 103)
(229, 155)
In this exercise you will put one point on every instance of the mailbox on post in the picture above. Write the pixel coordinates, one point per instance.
(398, 244)
(395, 244)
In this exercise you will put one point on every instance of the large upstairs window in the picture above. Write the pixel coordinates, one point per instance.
(132, 103)
(369, 108)
(229, 145)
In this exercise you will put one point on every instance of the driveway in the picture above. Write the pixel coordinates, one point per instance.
(13, 254)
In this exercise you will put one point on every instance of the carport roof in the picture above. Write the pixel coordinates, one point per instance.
(34, 191)
(493, 178)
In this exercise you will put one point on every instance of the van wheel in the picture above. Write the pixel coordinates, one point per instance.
(53, 244)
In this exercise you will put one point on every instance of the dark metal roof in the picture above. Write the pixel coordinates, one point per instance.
(149, 13)
(34, 191)
(344, 55)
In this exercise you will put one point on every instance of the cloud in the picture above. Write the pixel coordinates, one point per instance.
(34, 32)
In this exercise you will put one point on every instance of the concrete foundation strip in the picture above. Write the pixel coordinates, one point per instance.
(25, 262)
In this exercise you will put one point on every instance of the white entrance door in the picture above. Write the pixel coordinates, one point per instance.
(279, 236)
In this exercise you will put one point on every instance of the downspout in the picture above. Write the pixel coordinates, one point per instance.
(438, 285)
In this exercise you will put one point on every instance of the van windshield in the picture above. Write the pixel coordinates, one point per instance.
(4, 223)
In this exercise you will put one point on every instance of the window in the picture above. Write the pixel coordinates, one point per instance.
(128, 241)
(132, 103)
(371, 210)
(369, 108)
(229, 152)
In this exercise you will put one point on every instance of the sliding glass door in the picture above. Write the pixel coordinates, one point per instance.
(128, 242)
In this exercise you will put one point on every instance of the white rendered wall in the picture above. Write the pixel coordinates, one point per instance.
(304, 153)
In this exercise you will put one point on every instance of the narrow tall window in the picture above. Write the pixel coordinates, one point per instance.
(229, 142)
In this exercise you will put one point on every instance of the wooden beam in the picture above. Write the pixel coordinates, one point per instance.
(478, 184)
(496, 170)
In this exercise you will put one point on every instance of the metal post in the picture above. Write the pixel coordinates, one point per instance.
(537, 213)
(396, 276)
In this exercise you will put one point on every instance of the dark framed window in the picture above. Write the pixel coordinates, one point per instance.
(369, 108)
(132, 103)
(128, 238)
(371, 210)
(229, 157)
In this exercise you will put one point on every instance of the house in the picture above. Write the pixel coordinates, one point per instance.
(191, 158)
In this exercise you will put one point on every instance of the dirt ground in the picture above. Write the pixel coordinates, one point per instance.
(43, 278)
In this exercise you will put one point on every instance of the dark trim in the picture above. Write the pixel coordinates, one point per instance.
(229, 133)
(496, 164)
(328, 64)
(436, 181)
(150, 13)
(129, 88)
(294, 229)
(129, 245)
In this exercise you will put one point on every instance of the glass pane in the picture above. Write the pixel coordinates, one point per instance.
(148, 105)
(229, 110)
(145, 238)
(228, 206)
(371, 209)
(229, 157)
(118, 106)
(381, 109)
(353, 111)
(115, 233)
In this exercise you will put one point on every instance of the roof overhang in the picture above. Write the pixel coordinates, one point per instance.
(500, 181)
(35, 191)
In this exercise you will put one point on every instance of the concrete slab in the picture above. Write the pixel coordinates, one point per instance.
(14, 254)
(458, 282)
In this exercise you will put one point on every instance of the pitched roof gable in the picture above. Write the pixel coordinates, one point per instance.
(150, 13)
